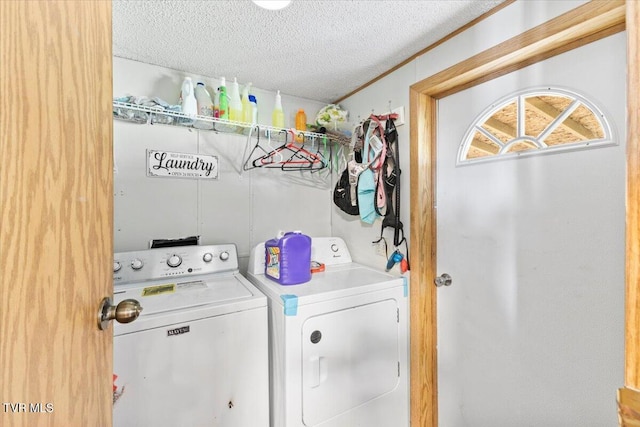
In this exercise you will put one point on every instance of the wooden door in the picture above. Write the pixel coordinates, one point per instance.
(56, 212)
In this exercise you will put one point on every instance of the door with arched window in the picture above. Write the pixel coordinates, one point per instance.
(532, 328)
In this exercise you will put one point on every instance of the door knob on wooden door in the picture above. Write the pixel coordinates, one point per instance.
(443, 280)
(126, 311)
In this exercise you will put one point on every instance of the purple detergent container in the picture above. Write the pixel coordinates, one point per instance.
(288, 258)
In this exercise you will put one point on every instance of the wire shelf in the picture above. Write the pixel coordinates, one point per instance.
(142, 114)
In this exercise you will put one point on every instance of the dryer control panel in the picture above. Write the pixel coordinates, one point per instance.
(330, 251)
(149, 264)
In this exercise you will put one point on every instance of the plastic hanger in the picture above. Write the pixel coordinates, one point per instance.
(291, 156)
(257, 148)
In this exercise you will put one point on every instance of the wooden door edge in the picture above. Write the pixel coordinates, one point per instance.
(632, 299)
(629, 407)
(423, 335)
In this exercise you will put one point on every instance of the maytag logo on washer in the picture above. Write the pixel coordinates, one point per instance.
(177, 331)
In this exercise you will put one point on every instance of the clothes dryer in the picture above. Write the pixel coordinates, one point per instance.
(338, 343)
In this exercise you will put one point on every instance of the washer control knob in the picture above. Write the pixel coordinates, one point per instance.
(174, 260)
(334, 247)
(208, 257)
(116, 266)
(137, 264)
(224, 256)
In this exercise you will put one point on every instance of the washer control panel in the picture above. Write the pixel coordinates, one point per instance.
(149, 264)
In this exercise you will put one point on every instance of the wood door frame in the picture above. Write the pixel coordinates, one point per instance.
(629, 397)
(578, 27)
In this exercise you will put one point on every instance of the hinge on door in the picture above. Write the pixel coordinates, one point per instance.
(398, 369)
(397, 315)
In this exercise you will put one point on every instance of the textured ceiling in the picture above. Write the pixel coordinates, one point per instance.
(320, 50)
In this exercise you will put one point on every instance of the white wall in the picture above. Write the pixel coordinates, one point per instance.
(240, 207)
(393, 90)
(205, 207)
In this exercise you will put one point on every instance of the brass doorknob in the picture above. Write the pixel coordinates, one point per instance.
(126, 311)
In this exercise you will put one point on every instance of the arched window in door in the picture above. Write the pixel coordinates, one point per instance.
(532, 122)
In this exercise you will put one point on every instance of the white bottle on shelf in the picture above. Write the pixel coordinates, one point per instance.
(235, 103)
(254, 109)
(188, 98)
(205, 106)
(252, 116)
(277, 117)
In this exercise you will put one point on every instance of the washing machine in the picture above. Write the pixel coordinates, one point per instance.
(197, 355)
(338, 343)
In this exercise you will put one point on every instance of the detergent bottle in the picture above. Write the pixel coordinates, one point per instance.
(205, 106)
(277, 117)
(188, 99)
(254, 109)
(224, 100)
(235, 104)
(301, 124)
(247, 112)
(288, 258)
(252, 114)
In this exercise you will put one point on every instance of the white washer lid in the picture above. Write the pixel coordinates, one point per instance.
(187, 298)
(336, 281)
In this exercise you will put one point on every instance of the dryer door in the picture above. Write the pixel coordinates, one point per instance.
(349, 357)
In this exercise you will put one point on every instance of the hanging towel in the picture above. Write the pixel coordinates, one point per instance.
(366, 196)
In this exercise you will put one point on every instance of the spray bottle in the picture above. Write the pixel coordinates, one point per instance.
(254, 109)
(235, 104)
(277, 117)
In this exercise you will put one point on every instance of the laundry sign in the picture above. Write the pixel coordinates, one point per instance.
(168, 164)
